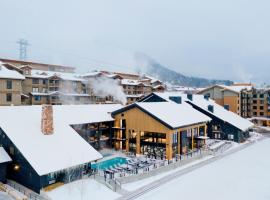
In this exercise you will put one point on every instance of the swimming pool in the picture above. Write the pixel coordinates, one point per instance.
(109, 163)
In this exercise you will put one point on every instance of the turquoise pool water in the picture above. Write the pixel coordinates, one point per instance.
(109, 163)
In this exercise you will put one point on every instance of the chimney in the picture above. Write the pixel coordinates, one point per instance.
(206, 97)
(190, 96)
(176, 99)
(211, 108)
(47, 120)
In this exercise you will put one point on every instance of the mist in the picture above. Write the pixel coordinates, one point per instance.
(104, 86)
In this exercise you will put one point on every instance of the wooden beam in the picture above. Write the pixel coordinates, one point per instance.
(138, 142)
(169, 145)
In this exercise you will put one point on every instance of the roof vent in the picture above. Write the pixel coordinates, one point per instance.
(190, 97)
(47, 120)
(206, 97)
(176, 99)
(211, 108)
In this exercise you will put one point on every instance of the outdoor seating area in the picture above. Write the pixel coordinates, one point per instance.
(140, 165)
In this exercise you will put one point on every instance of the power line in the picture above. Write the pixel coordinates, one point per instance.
(23, 48)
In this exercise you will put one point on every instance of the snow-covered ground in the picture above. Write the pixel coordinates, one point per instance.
(137, 184)
(4, 196)
(243, 175)
(86, 189)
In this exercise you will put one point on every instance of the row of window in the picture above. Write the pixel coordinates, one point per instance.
(261, 101)
(38, 98)
(258, 114)
(261, 107)
(45, 82)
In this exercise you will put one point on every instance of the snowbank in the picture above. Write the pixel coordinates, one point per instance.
(86, 189)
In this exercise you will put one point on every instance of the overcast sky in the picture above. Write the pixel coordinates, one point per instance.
(225, 39)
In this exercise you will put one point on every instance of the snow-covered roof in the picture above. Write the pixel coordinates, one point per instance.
(134, 95)
(130, 82)
(170, 114)
(58, 92)
(219, 111)
(4, 157)
(65, 147)
(47, 74)
(175, 115)
(92, 74)
(237, 88)
(9, 74)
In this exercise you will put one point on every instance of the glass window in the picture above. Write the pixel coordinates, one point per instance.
(8, 97)
(9, 84)
(44, 81)
(37, 98)
(34, 89)
(35, 81)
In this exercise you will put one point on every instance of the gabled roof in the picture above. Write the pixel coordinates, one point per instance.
(48, 74)
(232, 88)
(171, 115)
(9, 74)
(4, 157)
(219, 112)
(63, 149)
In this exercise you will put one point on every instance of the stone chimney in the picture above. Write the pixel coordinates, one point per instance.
(47, 120)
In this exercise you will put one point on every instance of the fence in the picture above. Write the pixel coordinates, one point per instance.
(154, 169)
(27, 192)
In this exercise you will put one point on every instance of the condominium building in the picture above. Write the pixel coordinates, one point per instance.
(10, 85)
(244, 99)
(48, 84)
(40, 83)
(227, 96)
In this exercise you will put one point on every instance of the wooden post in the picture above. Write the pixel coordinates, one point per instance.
(127, 140)
(168, 146)
(192, 138)
(120, 135)
(178, 142)
(138, 142)
(205, 132)
(116, 133)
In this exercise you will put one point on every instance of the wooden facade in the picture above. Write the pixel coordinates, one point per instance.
(138, 131)
(227, 98)
(216, 128)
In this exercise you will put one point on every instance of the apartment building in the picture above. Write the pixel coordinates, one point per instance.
(49, 84)
(227, 96)
(57, 84)
(244, 99)
(49, 87)
(10, 85)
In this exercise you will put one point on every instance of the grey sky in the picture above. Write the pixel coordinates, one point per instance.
(227, 39)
